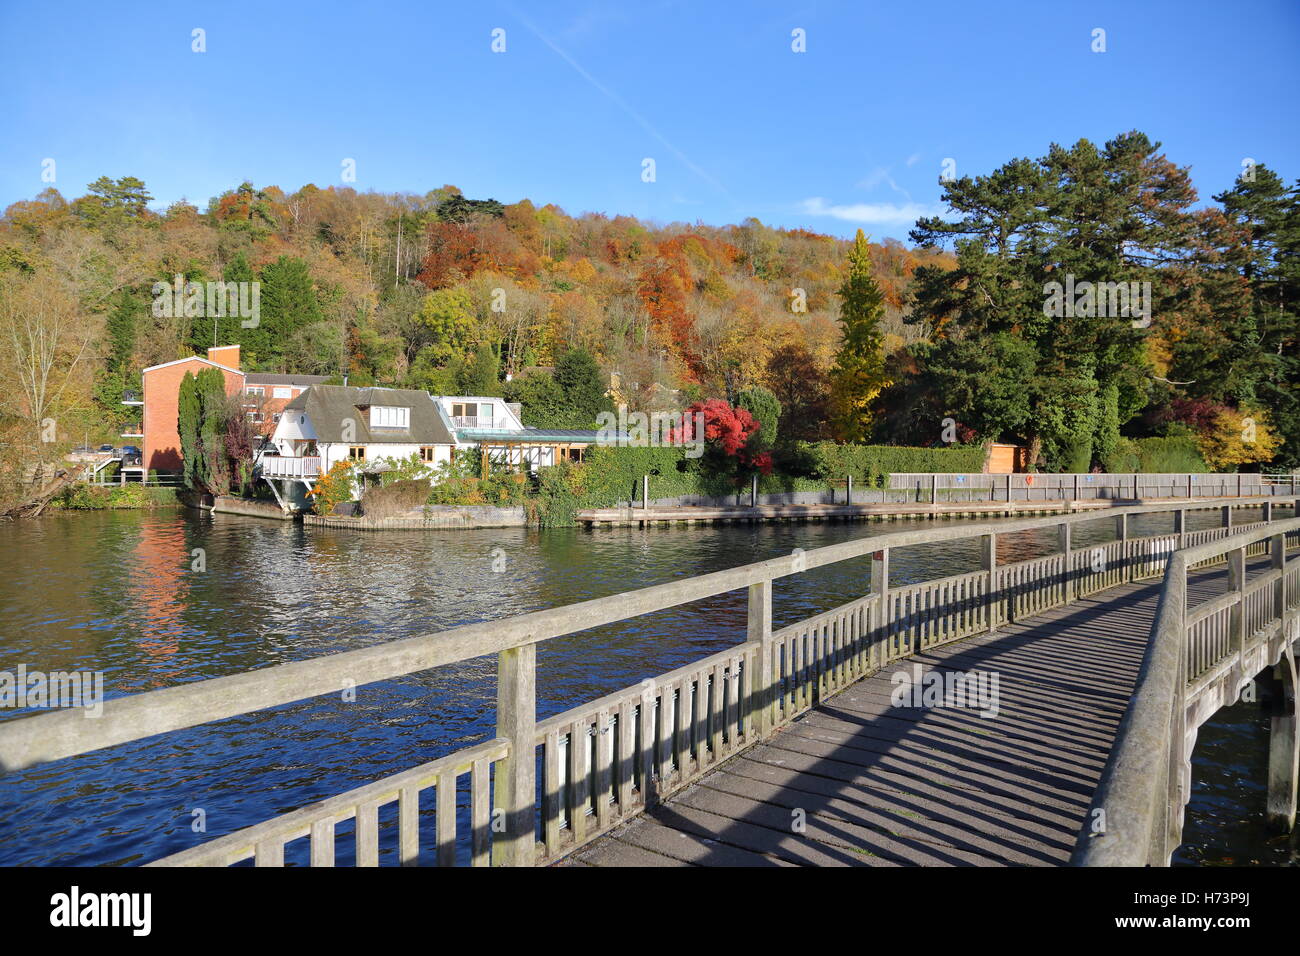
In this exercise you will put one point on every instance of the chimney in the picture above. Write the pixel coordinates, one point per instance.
(227, 355)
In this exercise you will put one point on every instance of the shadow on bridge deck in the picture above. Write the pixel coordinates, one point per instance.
(857, 781)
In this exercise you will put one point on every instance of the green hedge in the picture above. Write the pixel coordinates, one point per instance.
(870, 465)
(609, 476)
(84, 497)
(1175, 454)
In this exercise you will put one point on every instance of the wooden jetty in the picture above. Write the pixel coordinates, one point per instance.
(665, 515)
(786, 748)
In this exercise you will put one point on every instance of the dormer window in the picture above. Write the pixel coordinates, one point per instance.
(389, 416)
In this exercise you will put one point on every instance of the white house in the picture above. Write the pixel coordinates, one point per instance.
(378, 427)
(494, 427)
(374, 427)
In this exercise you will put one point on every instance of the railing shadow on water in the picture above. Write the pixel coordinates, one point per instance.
(640, 745)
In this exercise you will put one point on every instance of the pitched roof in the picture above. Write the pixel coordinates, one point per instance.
(329, 405)
(272, 378)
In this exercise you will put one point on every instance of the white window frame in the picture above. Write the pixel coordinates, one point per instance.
(390, 416)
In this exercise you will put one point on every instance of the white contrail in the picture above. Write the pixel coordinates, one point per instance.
(621, 103)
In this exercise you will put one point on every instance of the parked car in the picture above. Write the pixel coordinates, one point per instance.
(106, 450)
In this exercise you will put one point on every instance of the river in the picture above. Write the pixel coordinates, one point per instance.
(122, 593)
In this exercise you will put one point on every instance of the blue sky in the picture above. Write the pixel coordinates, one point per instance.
(852, 132)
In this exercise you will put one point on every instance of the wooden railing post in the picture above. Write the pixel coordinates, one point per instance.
(1063, 545)
(848, 492)
(879, 617)
(989, 561)
(515, 786)
(759, 628)
(1277, 551)
(1237, 616)
(1178, 769)
(1121, 535)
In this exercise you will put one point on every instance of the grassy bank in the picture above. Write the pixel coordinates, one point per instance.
(84, 497)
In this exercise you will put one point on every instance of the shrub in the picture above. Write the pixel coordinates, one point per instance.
(1176, 454)
(394, 498)
(1124, 459)
(333, 488)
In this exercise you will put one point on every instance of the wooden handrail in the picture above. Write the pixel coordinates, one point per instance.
(1138, 803)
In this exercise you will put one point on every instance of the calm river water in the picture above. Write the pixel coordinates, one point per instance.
(114, 592)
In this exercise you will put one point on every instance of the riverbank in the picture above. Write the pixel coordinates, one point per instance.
(85, 497)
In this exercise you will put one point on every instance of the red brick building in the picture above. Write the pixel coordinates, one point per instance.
(162, 386)
(264, 397)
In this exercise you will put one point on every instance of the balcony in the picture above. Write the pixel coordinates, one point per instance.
(131, 398)
(133, 430)
(471, 421)
(284, 466)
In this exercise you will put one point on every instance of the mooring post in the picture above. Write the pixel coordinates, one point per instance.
(1180, 526)
(1283, 746)
(1063, 545)
(1189, 486)
(645, 492)
(1238, 484)
(515, 784)
(934, 489)
(1137, 495)
(1227, 515)
(763, 683)
(753, 492)
(848, 494)
(1076, 487)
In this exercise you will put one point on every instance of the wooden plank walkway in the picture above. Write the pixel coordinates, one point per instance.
(878, 785)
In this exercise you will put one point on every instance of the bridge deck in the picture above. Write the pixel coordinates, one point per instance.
(885, 786)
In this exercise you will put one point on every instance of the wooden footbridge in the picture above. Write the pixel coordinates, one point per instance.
(1036, 712)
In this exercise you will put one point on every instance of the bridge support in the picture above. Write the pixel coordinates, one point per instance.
(1283, 744)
